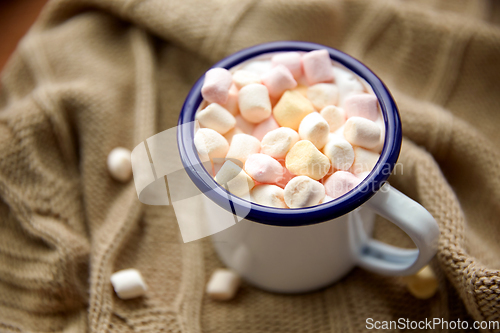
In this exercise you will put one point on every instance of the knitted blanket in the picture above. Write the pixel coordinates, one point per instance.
(92, 75)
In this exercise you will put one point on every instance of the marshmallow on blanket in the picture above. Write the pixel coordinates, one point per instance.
(291, 60)
(303, 191)
(223, 284)
(254, 102)
(128, 283)
(119, 164)
(217, 118)
(242, 146)
(278, 80)
(269, 195)
(422, 285)
(362, 132)
(216, 85)
(317, 67)
(315, 129)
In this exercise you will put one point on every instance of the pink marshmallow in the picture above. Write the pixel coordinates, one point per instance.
(245, 126)
(216, 85)
(317, 67)
(287, 176)
(265, 127)
(278, 80)
(290, 60)
(263, 168)
(339, 183)
(232, 101)
(361, 105)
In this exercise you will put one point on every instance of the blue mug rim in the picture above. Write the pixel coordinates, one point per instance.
(298, 216)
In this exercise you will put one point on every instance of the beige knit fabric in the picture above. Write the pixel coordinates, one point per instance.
(95, 74)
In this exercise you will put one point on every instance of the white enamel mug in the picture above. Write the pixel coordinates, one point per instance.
(300, 250)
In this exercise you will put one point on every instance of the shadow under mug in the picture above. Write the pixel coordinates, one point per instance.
(300, 250)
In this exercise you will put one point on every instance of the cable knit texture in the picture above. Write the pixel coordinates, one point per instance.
(95, 74)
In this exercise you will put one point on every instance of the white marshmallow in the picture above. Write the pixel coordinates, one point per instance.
(290, 60)
(128, 283)
(258, 67)
(263, 168)
(278, 142)
(302, 191)
(210, 143)
(364, 160)
(422, 285)
(334, 116)
(269, 195)
(244, 125)
(347, 84)
(315, 129)
(362, 132)
(243, 78)
(119, 164)
(278, 80)
(223, 285)
(216, 85)
(234, 179)
(254, 102)
(340, 153)
(317, 66)
(323, 95)
(242, 146)
(217, 118)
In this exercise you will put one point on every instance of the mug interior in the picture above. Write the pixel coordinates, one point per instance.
(294, 216)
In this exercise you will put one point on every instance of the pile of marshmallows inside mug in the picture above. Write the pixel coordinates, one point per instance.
(290, 131)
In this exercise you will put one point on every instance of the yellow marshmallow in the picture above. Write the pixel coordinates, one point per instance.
(291, 109)
(422, 285)
(304, 159)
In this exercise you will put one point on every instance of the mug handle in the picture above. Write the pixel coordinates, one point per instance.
(413, 219)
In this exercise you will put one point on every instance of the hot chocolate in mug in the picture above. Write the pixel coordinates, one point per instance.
(303, 249)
